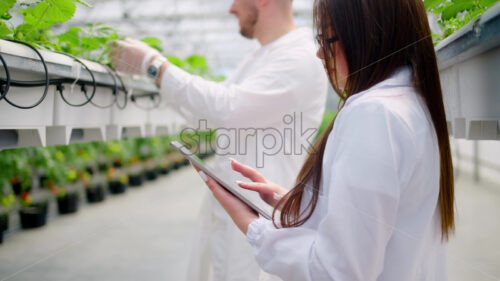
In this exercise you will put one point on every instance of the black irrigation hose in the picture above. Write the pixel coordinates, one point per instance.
(60, 87)
(125, 92)
(46, 84)
(4, 90)
(114, 93)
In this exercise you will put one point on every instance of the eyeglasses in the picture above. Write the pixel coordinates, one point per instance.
(329, 40)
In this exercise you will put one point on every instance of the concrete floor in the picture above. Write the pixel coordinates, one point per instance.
(145, 235)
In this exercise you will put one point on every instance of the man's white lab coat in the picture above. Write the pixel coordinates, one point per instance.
(266, 114)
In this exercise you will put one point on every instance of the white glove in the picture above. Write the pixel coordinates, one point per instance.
(132, 56)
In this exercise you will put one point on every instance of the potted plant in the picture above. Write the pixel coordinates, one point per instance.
(135, 172)
(33, 211)
(95, 190)
(117, 180)
(7, 200)
(62, 178)
(16, 168)
(130, 157)
(150, 151)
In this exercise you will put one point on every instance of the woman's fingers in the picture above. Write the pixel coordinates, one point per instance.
(247, 172)
(267, 191)
(255, 186)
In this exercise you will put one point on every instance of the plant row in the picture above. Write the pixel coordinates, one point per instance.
(31, 178)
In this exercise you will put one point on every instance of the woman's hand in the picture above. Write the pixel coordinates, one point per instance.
(240, 213)
(270, 192)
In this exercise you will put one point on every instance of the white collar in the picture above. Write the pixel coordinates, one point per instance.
(402, 77)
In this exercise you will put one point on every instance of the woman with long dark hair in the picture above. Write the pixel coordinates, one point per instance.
(374, 199)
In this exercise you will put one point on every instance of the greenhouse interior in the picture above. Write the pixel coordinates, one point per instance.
(235, 140)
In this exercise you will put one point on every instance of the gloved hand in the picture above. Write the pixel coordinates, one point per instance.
(132, 56)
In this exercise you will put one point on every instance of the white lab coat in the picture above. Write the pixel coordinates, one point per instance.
(283, 78)
(377, 216)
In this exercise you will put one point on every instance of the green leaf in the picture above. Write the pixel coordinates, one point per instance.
(197, 62)
(153, 42)
(432, 4)
(26, 32)
(4, 29)
(70, 37)
(176, 61)
(6, 5)
(98, 30)
(49, 12)
(457, 7)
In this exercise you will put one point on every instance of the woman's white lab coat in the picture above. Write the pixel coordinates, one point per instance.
(377, 216)
(279, 79)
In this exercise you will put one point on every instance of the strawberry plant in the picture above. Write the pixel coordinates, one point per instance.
(89, 41)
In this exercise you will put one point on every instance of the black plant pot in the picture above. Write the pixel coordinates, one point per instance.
(4, 222)
(151, 174)
(68, 204)
(135, 180)
(116, 187)
(177, 165)
(4, 225)
(163, 171)
(95, 194)
(34, 215)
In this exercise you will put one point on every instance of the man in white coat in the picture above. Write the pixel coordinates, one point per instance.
(266, 115)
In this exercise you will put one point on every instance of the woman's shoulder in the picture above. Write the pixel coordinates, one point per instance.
(396, 106)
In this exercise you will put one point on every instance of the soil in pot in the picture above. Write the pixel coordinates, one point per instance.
(95, 193)
(68, 203)
(34, 216)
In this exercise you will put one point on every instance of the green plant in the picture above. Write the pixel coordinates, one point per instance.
(15, 168)
(7, 197)
(90, 41)
(454, 14)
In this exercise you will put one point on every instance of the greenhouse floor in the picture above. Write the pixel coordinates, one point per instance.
(146, 234)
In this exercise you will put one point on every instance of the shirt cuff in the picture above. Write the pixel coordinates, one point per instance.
(255, 230)
(173, 80)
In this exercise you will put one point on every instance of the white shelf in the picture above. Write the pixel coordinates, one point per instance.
(54, 122)
(469, 63)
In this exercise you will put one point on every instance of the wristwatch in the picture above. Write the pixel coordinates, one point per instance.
(153, 69)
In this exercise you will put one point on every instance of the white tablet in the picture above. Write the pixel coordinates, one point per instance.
(251, 198)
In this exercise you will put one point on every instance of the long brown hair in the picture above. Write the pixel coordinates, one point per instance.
(378, 37)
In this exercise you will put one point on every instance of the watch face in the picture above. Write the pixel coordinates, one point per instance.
(152, 71)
